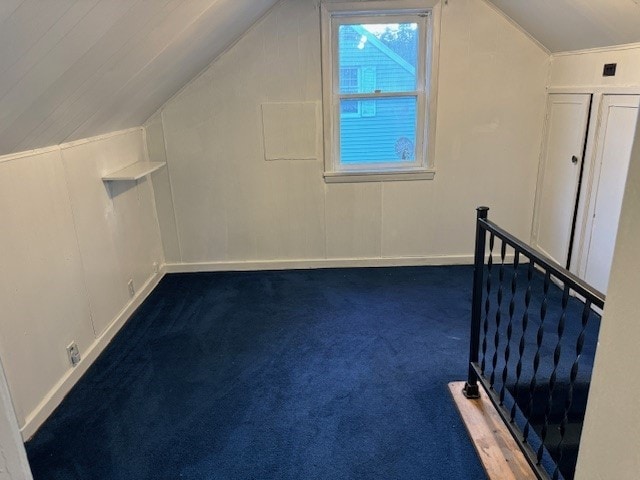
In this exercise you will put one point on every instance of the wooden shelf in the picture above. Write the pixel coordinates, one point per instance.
(133, 172)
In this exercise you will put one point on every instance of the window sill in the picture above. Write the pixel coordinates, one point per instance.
(354, 177)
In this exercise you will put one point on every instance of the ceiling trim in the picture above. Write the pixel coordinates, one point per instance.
(586, 51)
(63, 146)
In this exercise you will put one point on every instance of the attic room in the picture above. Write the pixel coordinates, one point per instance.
(241, 239)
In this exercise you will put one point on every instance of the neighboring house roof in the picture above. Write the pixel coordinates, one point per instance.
(376, 42)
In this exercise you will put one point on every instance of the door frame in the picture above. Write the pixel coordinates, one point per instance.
(591, 200)
(542, 164)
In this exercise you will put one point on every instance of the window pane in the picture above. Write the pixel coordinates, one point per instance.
(349, 80)
(349, 106)
(384, 131)
(377, 57)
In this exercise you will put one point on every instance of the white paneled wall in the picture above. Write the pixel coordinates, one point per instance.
(13, 459)
(69, 245)
(125, 243)
(44, 296)
(231, 208)
(584, 68)
(353, 213)
(162, 191)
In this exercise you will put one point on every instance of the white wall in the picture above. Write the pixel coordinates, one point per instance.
(13, 459)
(162, 190)
(584, 68)
(232, 207)
(611, 438)
(69, 245)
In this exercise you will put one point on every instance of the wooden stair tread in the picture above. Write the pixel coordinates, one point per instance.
(498, 451)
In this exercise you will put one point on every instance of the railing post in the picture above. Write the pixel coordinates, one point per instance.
(471, 389)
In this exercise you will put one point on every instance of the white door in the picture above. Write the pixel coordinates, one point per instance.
(567, 121)
(615, 135)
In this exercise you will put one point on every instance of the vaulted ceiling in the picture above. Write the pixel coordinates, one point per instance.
(71, 69)
(565, 25)
(75, 68)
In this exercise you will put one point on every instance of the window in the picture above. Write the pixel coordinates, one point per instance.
(377, 94)
(357, 80)
(350, 82)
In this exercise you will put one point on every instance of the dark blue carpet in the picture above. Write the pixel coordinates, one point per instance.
(323, 374)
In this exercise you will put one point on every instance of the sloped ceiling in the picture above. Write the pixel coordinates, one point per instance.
(71, 69)
(565, 25)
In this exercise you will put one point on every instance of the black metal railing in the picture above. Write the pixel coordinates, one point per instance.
(534, 331)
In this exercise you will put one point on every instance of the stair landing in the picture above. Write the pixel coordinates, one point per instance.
(498, 451)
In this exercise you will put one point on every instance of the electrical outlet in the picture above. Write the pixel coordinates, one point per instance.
(132, 290)
(74, 354)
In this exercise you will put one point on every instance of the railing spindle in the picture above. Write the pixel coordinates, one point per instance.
(496, 336)
(536, 358)
(557, 352)
(512, 308)
(586, 313)
(487, 304)
(522, 344)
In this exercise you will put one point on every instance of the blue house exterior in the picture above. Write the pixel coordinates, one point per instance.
(380, 130)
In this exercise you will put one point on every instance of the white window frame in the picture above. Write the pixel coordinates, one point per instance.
(397, 11)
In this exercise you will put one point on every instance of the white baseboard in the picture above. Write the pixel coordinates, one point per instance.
(318, 263)
(55, 396)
